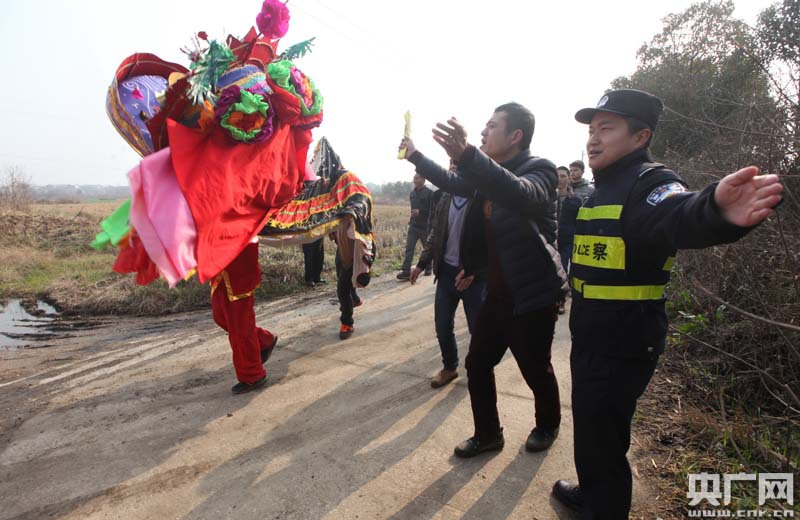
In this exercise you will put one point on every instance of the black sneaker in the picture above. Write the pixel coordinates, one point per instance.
(403, 276)
(267, 352)
(471, 447)
(540, 439)
(243, 388)
(321, 281)
(428, 272)
(569, 495)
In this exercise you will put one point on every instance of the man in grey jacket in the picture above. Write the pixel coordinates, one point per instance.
(580, 186)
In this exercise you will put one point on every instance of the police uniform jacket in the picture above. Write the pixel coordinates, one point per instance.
(627, 234)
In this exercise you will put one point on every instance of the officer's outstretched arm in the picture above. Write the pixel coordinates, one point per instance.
(668, 217)
(745, 198)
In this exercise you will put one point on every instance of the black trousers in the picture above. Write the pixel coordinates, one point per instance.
(530, 338)
(314, 256)
(345, 292)
(604, 394)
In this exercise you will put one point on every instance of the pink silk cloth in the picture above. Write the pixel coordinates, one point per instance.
(161, 217)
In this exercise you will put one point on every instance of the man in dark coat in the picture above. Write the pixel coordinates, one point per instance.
(525, 277)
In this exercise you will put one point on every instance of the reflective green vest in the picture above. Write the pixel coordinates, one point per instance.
(604, 266)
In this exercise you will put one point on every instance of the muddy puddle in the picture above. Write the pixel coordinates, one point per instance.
(20, 327)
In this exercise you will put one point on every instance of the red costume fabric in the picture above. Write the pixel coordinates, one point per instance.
(232, 307)
(232, 190)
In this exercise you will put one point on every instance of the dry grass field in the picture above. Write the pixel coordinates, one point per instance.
(45, 254)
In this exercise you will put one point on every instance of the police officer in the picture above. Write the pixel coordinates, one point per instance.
(626, 237)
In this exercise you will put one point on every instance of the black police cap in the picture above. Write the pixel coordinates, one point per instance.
(628, 103)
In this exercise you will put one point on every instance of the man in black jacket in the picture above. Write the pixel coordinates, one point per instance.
(421, 199)
(525, 277)
(626, 237)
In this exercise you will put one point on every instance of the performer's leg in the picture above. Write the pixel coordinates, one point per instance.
(344, 291)
(245, 341)
(308, 261)
(243, 275)
(319, 259)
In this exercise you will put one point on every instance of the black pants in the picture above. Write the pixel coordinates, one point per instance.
(345, 292)
(314, 256)
(413, 236)
(604, 394)
(530, 338)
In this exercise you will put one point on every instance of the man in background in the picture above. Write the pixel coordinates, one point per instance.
(580, 186)
(421, 199)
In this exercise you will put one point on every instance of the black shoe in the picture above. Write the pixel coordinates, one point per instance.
(471, 447)
(267, 352)
(243, 388)
(428, 272)
(569, 495)
(309, 283)
(540, 439)
(403, 276)
(321, 281)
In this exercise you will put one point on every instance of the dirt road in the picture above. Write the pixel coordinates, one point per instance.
(135, 419)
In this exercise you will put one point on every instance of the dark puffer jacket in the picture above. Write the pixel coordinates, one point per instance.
(523, 195)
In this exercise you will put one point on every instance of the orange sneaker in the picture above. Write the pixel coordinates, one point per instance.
(345, 332)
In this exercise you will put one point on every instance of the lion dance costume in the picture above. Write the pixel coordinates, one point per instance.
(224, 147)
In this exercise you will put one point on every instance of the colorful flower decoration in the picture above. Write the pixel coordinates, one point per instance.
(273, 20)
(245, 115)
(292, 79)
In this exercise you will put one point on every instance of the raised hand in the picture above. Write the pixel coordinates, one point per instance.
(452, 137)
(408, 144)
(746, 198)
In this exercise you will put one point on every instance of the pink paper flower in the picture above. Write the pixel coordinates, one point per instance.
(273, 20)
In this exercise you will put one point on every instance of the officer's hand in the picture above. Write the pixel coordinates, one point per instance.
(746, 198)
(408, 144)
(452, 137)
(463, 282)
(414, 275)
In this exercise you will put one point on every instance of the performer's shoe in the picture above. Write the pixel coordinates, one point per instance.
(243, 388)
(403, 276)
(358, 303)
(443, 377)
(321, 281)
(471, 447)
(569, 495)
(267, 352)
(345, 332)
(540, 439)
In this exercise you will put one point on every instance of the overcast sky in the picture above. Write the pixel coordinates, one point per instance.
(372, 61)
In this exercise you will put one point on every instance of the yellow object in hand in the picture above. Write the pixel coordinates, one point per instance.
(406, 133)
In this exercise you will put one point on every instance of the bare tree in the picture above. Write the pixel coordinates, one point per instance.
(15, 189)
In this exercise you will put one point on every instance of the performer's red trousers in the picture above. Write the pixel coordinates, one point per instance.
(232, 306)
